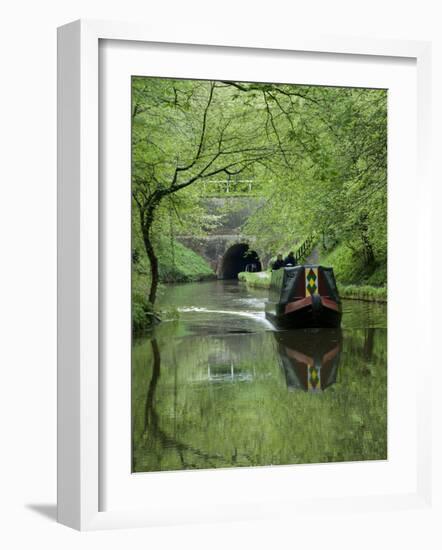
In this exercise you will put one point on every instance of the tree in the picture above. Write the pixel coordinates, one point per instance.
(319, 153)
(333, 178)
(184, 132)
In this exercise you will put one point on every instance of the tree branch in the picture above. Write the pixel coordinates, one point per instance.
(201, 140)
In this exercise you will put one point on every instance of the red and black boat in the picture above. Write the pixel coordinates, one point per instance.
(304, 296)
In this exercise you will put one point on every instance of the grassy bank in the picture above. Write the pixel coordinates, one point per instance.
(257, 280)
(355, 292)
(143, 315)
(177, 264)
(366, 293)
(349, 268)
(355, 280)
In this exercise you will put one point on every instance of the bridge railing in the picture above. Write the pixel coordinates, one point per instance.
(306, 248)
(236, 187)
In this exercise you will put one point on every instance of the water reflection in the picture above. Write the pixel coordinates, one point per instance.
(214, 402)
(221, 368)
(214, 389)
(309, 358)
(153, 434)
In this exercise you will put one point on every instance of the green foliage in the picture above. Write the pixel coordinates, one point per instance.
(368, 293)
(317, 157)
(379, 276)
(350, 268)
(180, 264)
(334, 183)
(188, 131)
(177, 264)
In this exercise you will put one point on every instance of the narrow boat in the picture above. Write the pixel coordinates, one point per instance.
(304, 296)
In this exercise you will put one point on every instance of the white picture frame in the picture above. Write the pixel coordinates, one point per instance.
(79, 294)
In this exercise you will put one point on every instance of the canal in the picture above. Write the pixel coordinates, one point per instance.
(219, 387)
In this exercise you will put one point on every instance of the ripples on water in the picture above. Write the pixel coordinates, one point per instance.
(221, 388)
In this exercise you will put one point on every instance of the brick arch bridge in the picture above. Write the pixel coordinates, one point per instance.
(226, 248)
(228, 254)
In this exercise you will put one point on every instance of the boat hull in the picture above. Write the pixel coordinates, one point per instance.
(310, 312)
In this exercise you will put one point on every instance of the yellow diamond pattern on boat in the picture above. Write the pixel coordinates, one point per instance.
(311, 281)
(314, 381)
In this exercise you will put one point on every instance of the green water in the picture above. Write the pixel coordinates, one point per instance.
(220, 387)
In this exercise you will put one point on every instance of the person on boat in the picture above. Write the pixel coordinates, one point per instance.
(290, 260)
(278, 263)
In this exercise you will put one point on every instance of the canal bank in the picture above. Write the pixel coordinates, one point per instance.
(351, 292)
(177, 264)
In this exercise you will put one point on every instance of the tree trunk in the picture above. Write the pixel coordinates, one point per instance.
(153, 260)
(368, 249)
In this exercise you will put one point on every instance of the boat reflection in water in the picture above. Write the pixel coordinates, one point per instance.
(309, 358)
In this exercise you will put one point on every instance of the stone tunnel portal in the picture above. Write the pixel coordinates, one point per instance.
(236, 259)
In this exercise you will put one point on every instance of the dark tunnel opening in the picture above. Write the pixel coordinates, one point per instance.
(239, 258)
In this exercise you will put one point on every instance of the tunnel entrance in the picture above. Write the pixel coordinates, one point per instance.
(239, 258)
